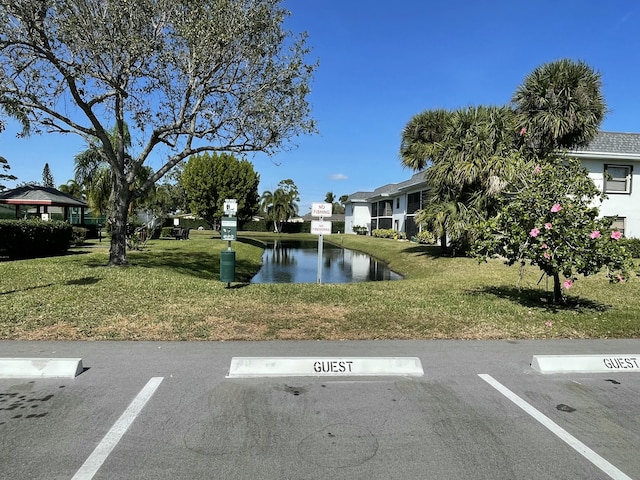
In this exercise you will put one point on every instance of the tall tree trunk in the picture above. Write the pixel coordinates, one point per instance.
(120, 205)
(557, 288)
(443, 242)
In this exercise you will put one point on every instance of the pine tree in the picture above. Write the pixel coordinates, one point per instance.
(47, 178)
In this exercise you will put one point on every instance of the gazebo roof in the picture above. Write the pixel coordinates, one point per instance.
(37, 195)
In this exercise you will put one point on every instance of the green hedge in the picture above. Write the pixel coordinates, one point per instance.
(388, 233)
(254, 226)
(34, 238)
(632, 245)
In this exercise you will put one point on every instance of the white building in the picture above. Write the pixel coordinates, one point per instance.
(393, 206)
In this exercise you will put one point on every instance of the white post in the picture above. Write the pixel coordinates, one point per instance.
(320, 257)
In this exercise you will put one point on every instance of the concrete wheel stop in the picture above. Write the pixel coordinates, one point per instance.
(586, 363)
(40, 367)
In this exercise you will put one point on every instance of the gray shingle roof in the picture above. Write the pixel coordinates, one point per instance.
(388, 189)
(614, 142)
(37, 195)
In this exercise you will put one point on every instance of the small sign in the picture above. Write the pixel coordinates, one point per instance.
(176, 222)
(322, 210)
(229, 228)
(615, 362)
(230, 207)
(320, 227)
(324, 366)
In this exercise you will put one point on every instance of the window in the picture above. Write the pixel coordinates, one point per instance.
(617, 178)
(386, 208)
(398, 203)
(618, 224)
(384, 223)
(413, 202)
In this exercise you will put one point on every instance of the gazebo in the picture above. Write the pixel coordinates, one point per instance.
(42, 202)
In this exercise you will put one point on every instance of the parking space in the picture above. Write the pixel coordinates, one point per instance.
(192, 422)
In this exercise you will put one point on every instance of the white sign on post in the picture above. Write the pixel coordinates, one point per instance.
(319, 227)
(230, 207)
(322, 210)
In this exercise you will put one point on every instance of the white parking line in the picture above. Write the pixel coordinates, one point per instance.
(565, 436)
(113, 436)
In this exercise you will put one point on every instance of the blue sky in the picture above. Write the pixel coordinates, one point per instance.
(382, 62)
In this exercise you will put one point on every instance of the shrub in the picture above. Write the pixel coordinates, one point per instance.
(360, 230)
(425, 237)
(78, 235)
(34, 238)
(166, 231)
(631, 245)
(389, 233)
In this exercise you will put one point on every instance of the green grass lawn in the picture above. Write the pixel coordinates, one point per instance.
(171, 291)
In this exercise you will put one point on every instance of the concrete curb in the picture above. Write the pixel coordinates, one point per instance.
(40, 367)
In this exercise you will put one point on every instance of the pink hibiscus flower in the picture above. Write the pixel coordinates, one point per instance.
(534, 232)
(556, 208)
(595, 234)
(547, 255)
(616, 235)
(537, 170)
(568, 283)
(620, 278)
(547, 225)
(544, 245)
(523, 131)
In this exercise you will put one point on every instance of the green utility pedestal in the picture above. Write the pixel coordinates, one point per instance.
(227, 266)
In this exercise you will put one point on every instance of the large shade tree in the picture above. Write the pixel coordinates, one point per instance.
(186, 76)
(210, 179)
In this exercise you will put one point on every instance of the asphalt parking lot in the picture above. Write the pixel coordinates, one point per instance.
(166, 410)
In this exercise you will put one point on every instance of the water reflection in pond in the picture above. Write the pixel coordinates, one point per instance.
(297, 262)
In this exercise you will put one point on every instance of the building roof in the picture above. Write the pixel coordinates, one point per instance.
(388, 190)
(37, 195)
(605, 144)
(614, 143)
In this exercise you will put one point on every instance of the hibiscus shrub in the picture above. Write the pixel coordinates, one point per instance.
(552, 222)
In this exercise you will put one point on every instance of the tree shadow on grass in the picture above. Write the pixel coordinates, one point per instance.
(426, 250)
(26, 289)
(201, 265)
(83, 281)
(536, 298)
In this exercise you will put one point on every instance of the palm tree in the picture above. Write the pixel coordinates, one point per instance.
(471, 157)
(559, 106)
(329, 198)
(94, 173)
(421, 138)
(72, 188)
(279, 206)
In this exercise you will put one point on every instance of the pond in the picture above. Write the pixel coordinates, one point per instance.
(297, 262)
